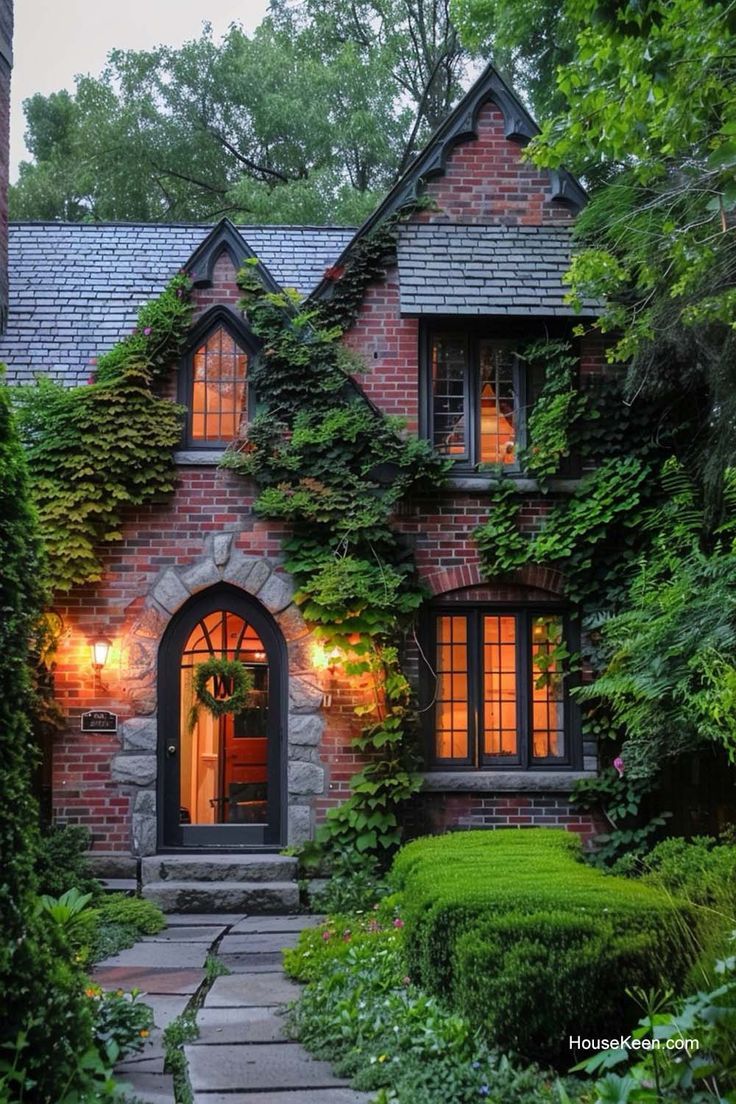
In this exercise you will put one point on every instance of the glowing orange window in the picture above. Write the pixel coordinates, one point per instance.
(218, 401)
(499, 686)
(548, 698)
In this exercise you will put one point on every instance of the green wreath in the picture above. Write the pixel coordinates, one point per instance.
(233, 671)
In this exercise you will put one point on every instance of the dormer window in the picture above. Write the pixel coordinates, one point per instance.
(214, 384)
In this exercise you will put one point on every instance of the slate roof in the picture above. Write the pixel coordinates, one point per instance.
(485, 270)
(75, 288)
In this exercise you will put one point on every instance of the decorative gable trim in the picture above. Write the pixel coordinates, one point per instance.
(461, 126)
(224, 238)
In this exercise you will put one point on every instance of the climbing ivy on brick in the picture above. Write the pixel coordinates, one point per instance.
(333, 467)
(96, 450)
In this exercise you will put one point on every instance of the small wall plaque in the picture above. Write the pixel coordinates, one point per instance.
(99, 720)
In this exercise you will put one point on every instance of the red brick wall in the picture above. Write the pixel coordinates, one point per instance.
(487, 181)
(436, 812)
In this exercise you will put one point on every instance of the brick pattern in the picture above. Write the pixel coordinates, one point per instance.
(433, 812)
(486, 181)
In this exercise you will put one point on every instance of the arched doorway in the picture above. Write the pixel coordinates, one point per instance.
(222, 777)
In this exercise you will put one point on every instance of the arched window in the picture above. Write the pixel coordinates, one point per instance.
(214, 384)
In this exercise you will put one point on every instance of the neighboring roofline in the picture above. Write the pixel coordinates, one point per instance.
(460, 126)
(224, 238)
(179, 225)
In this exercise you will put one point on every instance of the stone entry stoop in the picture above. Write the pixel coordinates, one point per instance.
(235, 882)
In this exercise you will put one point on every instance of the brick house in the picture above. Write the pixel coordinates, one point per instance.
(475, 272)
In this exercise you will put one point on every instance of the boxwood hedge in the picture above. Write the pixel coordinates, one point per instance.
(529, 942)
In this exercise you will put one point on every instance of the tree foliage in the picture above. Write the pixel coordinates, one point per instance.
(43, 1016)
(308, 120)
(650, 119)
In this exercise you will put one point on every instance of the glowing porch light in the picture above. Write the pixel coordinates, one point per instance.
(100, 652)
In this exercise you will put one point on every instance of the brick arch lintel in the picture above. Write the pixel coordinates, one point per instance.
(470, 575)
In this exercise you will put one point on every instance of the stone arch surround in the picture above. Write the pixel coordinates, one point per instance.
(135, 766)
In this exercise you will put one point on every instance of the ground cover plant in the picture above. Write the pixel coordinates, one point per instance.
(530, 943)
(362, 1011)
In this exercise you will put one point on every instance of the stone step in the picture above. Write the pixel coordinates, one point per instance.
(224, 867)
(232, 896)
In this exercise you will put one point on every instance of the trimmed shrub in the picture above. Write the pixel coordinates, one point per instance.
(529, 942)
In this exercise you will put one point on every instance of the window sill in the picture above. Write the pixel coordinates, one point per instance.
(472, 481)
(541, 781)
(200, 458)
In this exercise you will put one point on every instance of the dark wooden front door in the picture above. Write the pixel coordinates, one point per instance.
(221, 778)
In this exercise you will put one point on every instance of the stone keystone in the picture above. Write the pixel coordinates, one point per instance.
(277, 593)
(221, 547)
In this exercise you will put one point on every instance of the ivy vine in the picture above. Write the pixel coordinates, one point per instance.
(355, 577)
(97, 449)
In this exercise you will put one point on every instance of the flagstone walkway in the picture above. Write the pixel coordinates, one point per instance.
(242, 1054)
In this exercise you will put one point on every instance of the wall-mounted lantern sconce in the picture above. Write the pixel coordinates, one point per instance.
(100, 647)
(325, 658)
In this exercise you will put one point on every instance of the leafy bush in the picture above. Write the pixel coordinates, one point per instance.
(42, 1000)
(122, 1023)
(121, 921)
(61, 862)
(679, 1074)
(75, 919)
(362, 1011)
(502, 922)
(702, 872)
(354, 884)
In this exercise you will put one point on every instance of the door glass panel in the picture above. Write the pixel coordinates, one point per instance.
(499, 686)
(451, 724)
(548, 698)
(224, 760)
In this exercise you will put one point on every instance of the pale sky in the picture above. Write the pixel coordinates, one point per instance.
(56, 39)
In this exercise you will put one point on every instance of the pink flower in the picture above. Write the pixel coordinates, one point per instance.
(619, 765)
(346, 935)
(398, 922)
(147, 331)
(374, 926)
(90, 379)
(93, 360)
(326, 935)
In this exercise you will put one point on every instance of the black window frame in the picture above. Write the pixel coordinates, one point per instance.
(510, 333)
(476, 760)
(240, 333)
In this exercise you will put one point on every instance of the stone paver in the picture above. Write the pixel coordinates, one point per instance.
(165, 1008)
(274, 924)
(148, 980)
(196, 920)
(243, 1054)
(189, 934)
(161, 955)
(154, 1088)
(258, 942)
(247, 1067)
(264, 990)
(239, 1025)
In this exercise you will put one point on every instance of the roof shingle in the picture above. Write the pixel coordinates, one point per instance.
(75, 288)
(446, 268)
